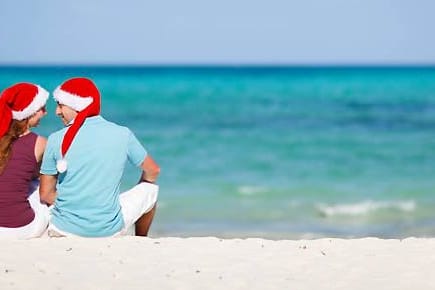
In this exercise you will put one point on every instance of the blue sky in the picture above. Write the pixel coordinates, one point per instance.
(217, 32)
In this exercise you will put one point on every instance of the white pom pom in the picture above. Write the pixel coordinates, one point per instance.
(61, 166)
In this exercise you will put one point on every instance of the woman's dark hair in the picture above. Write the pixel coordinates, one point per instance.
(15, 130)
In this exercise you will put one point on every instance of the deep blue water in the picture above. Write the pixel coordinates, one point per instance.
(276, 152)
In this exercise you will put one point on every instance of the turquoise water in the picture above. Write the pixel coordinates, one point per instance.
(275, 152)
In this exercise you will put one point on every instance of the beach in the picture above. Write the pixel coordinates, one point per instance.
(272, 178)
(213, 263)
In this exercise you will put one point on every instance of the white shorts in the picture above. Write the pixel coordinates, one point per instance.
(134, 203)
(36, 227)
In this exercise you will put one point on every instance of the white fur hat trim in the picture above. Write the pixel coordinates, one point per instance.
(38, 102)
(76, 102)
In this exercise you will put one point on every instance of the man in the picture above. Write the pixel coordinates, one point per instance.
(82, 169)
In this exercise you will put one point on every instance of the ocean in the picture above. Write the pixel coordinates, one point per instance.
(274, 152)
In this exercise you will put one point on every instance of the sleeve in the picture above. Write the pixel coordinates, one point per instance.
(135, 151)
(48, 166)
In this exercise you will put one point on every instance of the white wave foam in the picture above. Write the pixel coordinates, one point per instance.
(365, 207)
(250, 190)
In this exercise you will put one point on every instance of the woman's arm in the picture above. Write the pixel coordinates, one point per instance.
(40, 144)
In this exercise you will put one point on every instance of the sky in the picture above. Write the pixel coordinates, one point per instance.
(283, 32)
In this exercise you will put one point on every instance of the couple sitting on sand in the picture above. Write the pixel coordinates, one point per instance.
(80, 167)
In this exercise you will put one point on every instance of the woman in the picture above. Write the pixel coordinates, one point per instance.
(21, 108)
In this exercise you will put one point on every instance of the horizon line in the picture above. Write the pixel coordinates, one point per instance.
(219, 65)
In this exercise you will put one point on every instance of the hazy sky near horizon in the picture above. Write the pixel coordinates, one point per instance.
(217, 32)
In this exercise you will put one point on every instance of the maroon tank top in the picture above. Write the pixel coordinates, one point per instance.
(15, 183)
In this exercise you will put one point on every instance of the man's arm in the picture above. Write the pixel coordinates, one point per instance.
(150, 170)
(47, 188)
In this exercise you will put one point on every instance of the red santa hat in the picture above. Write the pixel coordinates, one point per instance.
(19, 102)
(82, 95)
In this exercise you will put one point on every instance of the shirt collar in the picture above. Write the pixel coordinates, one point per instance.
(92, 119)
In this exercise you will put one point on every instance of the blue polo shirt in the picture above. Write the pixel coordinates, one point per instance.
(87, 202)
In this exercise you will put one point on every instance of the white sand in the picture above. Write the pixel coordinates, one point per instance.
(211, 263)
